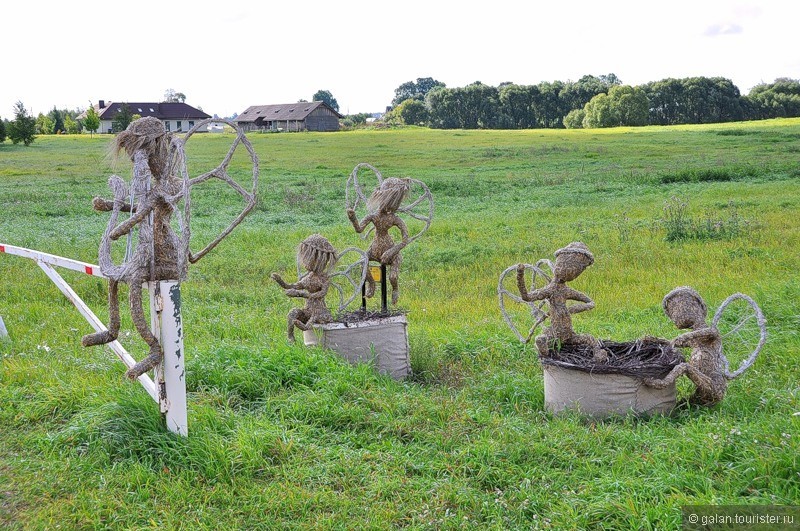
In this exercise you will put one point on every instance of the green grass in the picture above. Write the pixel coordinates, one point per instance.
(290, 437)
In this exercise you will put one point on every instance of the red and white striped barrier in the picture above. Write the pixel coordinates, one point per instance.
(166, 323)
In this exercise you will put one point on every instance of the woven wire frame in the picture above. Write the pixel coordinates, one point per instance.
(729, 335)
(538, 309)
(355, 196)
(220, 172)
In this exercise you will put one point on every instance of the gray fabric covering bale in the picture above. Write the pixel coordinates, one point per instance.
(3, 331)
(382, 342)
(603, 395)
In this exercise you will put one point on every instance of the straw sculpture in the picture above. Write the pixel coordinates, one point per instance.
(157, 255)
(317, 256)
(382, 208)
(154, 193)
(707, 368)
(570, 262)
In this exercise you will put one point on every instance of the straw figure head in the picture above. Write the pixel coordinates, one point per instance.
(389, 195)
(149, 134)
(571, 261)
(316, 254)
(685, 307)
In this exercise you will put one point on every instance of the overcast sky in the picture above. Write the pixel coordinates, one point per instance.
(226, 56)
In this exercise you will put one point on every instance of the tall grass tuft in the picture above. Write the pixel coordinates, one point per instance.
(679, 225)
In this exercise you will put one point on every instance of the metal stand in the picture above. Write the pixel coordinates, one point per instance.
(384, 289)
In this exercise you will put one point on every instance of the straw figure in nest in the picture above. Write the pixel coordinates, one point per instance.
(382, 208)
(570, 262)
(706, 366)
(317, 256)
(157, 255)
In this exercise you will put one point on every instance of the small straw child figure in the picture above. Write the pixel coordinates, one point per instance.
(570, 262)
(317, 256)
(382, 209)
(706, 367)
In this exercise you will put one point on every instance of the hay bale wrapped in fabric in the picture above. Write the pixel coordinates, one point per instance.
(574, 380)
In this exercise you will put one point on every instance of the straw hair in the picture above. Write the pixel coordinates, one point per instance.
(389, 195)
(146, 133)
(317, 254)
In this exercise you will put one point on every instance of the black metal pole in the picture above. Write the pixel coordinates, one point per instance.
(364, 296)
(384, 305)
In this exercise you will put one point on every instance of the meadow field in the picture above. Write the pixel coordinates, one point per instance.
(289, 437)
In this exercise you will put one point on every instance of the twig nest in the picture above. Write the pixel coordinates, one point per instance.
(647, 357)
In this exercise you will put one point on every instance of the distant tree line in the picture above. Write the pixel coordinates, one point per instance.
(592, 101)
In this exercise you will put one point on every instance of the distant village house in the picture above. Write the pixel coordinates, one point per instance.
(177, 117)
(302, 116)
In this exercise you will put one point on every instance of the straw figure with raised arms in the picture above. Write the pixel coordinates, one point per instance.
(708, 367)
(382, 207)
(157, 255)
(159, 252)
(317, 256)
(570, 262)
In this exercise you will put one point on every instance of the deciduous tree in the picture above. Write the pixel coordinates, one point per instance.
(326, 97)
(44, 124)
(413, 112)
(92, 120)
(415, 90)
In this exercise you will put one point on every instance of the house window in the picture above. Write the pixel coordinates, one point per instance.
(166, 125)
(191, 124)
(178, 126)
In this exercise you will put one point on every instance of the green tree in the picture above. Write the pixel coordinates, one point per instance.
(326, 97)
(631, 106)
(23, 128)
(412, 112)
(2, 130)
(600, 112)
(772, 100)
(123, 118)
(92, 120)
(415, 90)
(44, 124)
(71, 126)
(58, 120)
(574, 119)
(516, 105)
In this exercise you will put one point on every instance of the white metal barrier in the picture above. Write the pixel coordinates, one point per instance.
(169, 388)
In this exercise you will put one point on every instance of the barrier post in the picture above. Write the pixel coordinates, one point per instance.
(170, 374)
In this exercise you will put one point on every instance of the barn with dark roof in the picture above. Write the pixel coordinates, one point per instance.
(302, 116)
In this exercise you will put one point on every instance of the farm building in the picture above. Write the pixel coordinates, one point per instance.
(177, 117)
(302, 116)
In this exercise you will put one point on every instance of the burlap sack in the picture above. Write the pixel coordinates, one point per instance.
(603, 395)
(382, 342)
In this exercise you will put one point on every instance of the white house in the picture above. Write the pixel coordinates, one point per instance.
(177, 117)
